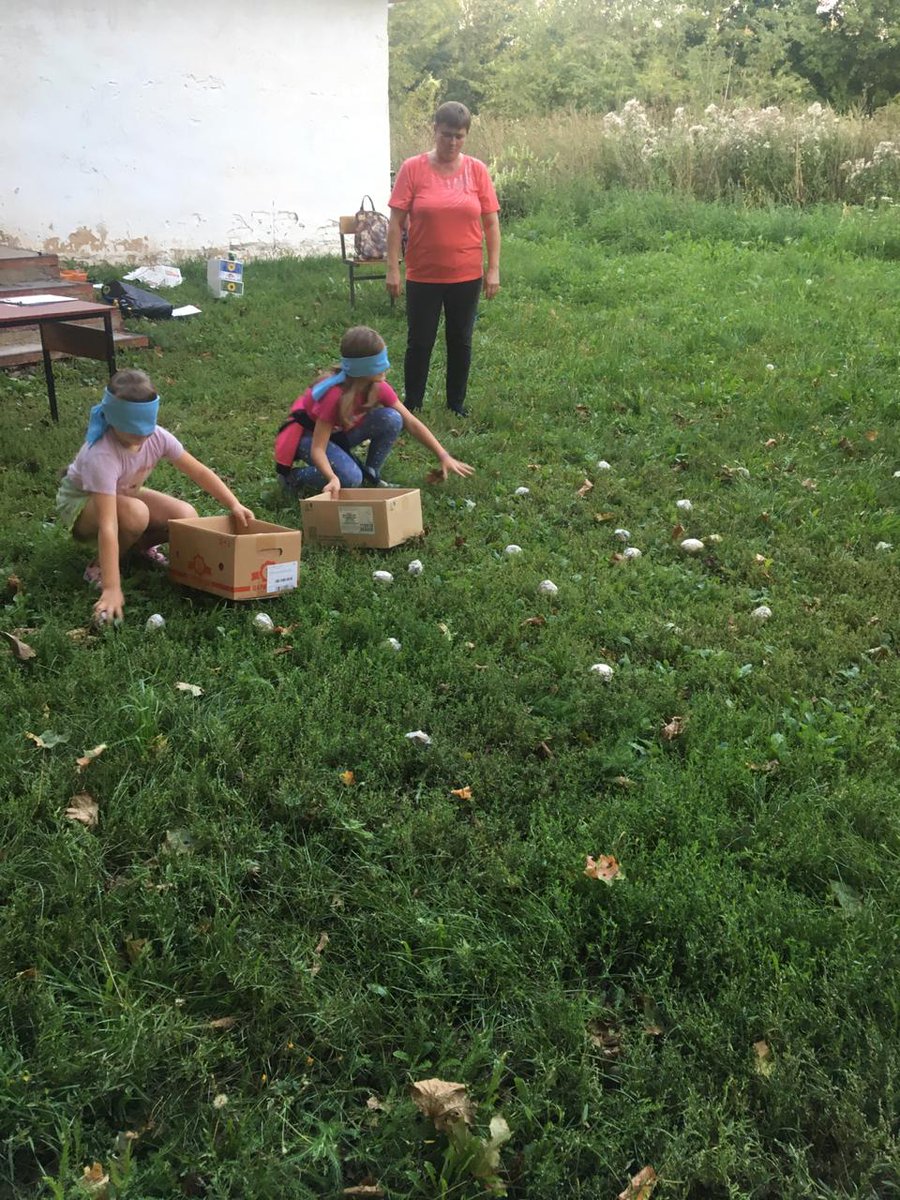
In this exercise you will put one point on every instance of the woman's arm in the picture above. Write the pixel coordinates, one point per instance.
(394, 241)
(423, 434)
(490, 223)
(213, 486)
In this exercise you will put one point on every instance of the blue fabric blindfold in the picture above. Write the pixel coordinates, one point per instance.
(128, 416)
(355, 368)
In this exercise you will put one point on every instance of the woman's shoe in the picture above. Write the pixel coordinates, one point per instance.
(459, 409)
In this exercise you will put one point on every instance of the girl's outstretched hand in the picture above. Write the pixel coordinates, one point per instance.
(448, 464)
(242, 514)
(110, 607)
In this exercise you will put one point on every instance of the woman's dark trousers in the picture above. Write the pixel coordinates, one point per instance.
(424, 302)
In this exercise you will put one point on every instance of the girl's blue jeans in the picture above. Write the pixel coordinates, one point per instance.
(381, 427)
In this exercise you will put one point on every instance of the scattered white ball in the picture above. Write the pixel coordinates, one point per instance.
(512, 548)
(604, 670)
(264, 623)
(415, 567)
(523, 491)
(770, 366)
(547, 587)
(632, 552)
(622, 534)
(884, 546)
(382, 577)
(897, 474)
(393, 643)
(762, 613)
(603, 465)
(154, 622)
(742, 472)
(420, 736)
(684, 506)
(692, 546)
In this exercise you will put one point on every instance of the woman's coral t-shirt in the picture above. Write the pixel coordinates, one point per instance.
(445, 231)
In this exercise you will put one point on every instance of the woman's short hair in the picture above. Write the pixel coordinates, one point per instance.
(454, 115)
(132, 385)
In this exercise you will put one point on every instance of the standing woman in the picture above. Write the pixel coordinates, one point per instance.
(449, 206)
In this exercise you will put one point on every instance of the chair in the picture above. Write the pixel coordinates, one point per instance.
(358, 269)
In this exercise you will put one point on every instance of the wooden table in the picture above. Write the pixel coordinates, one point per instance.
(60, 330)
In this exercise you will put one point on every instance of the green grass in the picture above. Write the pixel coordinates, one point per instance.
(464, 940)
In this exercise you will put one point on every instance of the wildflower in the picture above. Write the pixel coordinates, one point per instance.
(220, 1101)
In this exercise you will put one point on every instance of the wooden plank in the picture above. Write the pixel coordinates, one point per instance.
(80, 340)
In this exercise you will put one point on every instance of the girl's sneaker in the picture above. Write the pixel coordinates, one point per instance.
(92, 575)
(154, 555)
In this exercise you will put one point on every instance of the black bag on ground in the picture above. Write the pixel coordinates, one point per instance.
(134, 301)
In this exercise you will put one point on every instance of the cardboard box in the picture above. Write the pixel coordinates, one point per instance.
(208, 554)
(377, 517)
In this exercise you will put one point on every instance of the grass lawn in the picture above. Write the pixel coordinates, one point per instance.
(727, 1012)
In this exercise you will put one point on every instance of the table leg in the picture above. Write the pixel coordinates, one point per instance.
(48, 373)
(110, 343)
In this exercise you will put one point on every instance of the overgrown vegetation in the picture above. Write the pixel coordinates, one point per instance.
(754, 156)
(727, 1013)
(525, 58)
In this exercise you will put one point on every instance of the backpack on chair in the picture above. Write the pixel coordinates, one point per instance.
(370, 238)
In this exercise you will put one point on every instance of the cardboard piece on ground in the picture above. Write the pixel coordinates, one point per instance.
(208, 554)
(376, 517)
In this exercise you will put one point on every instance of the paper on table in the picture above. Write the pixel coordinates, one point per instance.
(44, 299)
(186, 310)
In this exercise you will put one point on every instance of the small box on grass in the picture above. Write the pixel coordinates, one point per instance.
(377, 517)
(213, 555)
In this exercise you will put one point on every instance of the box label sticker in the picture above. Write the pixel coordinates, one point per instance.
(358, 519)
(280, 577)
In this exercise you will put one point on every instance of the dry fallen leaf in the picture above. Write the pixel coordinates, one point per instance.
(373, 1104)
(368, 1187)
(81, 635)
(605, 868)
(14, 584)
(443, 1102)
(624, 781)
(192, 688)
(222, 1023)
(641, 1185)
(871, 435)
(89, 756)
(21, 650)
(134, 948)
(605, 1037)
(765, 768)
(95, 1181)
(463, 793)
(603, 516)
(542, 750)
(809, 484)
(770, 442)
(348, 778)
(673, 728)
(317, 954)
(653, 1030)
(677, 531)
(586, 487)
(764, 1064)
(48, 739)
(84, 809)
(535, 621)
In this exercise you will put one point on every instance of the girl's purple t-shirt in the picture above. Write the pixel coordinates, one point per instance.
(108, 468)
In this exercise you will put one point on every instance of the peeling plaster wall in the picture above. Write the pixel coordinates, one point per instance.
(177, 127)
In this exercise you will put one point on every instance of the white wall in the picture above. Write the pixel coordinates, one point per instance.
(140, 130)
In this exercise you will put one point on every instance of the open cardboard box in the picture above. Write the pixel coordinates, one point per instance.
(212, 555)
(377, 517)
